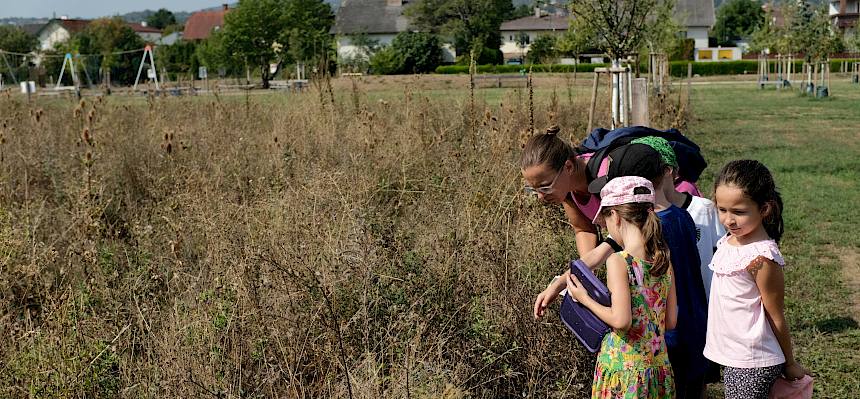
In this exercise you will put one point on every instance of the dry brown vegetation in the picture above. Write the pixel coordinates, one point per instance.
(274, 247)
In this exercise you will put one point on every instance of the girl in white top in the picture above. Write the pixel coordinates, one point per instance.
(747, 330)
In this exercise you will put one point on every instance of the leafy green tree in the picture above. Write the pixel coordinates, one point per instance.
(386, 61)
(214, 55)
(543, 49)
(661, 32)
(178, 59)
(621, 27)
(853, 41)
(108, 36)
(252, 33)
(359, 60)
(736, 19)
(16, 39)
(307, 26)
(471, 24)
(161, 19)
(421, 52)
(264, 32)
(579, 38)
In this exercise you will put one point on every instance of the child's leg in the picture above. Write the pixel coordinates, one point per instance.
(752, 383)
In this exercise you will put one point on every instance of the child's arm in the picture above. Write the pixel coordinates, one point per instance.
(672, 304)
(619, 315)
(593, 259)
(771, 283)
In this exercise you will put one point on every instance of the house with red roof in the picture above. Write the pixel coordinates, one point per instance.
(201, 24)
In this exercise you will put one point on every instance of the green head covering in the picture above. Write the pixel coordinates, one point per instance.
(659, 144)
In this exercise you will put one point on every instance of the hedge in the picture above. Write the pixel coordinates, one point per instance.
(677, 68)
(537, 68)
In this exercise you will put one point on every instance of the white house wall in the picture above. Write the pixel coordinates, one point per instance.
(699, 34)
(511, 49)
(52, 35)
(346, 50)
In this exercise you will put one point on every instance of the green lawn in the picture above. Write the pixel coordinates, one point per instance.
(811, 147)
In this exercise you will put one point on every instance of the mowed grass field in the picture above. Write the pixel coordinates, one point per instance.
(278, 245)
(812, 148)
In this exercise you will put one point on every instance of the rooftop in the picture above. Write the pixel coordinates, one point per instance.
(371, 16)
(545, 22)
(201, 24)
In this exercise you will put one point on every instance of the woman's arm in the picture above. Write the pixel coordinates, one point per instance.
(618, 315)
(771, 283)
(584, 230)
(585, 234)
(672, 304)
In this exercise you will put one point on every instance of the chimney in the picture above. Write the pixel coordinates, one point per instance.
(226, 7)
(143, 24)
(395, 3)
(537, 12)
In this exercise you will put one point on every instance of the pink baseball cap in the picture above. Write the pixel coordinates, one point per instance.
(625, 190)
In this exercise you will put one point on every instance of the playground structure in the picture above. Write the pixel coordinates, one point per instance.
(628, 100)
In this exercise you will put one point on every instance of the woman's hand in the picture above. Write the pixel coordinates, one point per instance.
(794, 371)
(546, 297)
(575, 289)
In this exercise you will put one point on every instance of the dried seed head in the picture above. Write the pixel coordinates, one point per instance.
(85, 135)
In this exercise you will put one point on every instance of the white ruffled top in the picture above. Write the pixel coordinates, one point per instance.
(730, 259)
(739, 334)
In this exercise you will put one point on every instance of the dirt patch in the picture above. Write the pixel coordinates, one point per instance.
(850, 260)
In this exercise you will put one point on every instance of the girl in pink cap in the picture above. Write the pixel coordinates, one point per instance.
(633, 361)
(747, 331)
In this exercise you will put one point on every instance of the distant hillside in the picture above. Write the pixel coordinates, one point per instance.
(22, 21)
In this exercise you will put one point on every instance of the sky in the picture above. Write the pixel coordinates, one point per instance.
(95, 8)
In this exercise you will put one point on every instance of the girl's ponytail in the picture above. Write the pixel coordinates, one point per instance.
(642, 215)
(655, 246)
(773, 224)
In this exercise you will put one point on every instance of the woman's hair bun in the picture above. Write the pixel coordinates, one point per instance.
(553, 130)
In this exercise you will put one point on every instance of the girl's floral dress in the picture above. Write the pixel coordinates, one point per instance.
(635, 364)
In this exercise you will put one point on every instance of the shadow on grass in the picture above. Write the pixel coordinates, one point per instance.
(836, 325)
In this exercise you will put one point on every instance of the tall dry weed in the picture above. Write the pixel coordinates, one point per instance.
(201, 247)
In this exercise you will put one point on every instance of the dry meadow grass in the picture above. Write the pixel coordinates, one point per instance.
(258, 247)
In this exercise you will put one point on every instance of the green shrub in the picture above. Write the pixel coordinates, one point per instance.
(536, 68)
(386, 61)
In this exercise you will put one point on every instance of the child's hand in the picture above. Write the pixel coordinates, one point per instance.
(794, 371)
(545, 298)
(575, 289)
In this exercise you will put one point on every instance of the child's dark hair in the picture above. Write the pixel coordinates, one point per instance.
(547, 149)
(756, 182)
(642, 215)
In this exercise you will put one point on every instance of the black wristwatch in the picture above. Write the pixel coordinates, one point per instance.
(613, 244)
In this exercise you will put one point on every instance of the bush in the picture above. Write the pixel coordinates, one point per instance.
(420, 51)
(386, 61)
(537, 68)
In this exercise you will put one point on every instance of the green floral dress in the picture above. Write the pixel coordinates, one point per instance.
(635, 364)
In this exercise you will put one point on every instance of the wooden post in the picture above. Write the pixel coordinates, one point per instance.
(593, 102)
(640, 115)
